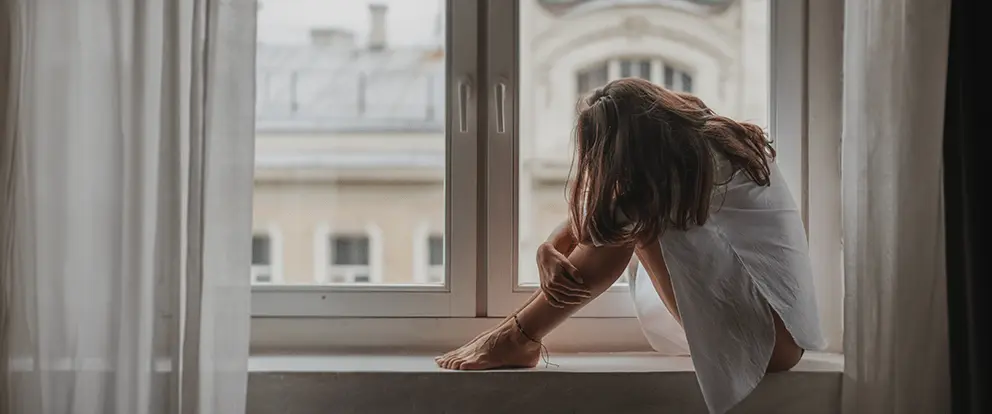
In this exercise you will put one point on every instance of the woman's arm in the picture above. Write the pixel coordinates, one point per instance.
(562, 239)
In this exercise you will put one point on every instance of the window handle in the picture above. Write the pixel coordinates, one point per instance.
(500, 94)
(464, 94)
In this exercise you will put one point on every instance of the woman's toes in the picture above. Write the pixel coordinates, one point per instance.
(473, 365)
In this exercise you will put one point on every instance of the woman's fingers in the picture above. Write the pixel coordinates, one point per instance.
(571, 271)
(566, 285)
(564, 280)
(552, 297)
(563, 297)
(562, 284)
(553, 301)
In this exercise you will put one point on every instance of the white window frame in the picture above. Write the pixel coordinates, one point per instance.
(275, 256)
(457, 297)
(481, 265)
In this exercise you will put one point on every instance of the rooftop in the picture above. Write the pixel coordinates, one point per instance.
(335, 88)
(561, 7)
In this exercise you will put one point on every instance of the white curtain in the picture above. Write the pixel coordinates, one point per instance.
(126, 178)
(895, 62)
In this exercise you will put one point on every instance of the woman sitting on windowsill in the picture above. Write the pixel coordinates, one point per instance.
(697, 197)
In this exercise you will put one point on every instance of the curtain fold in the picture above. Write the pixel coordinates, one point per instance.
(895, 55)
(126, 171)
(967, 265)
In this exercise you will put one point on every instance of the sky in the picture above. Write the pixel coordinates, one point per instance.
(408, 22)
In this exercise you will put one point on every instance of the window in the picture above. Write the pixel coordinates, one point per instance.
(435, 259)
(349, 260)
(356, 142)
(677, 80)
(606, 43)
(395, 201)
(592, 78)
(261, 259)
(266, 256)
(652, 69)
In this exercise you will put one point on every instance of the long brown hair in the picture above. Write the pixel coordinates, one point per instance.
(645, 161)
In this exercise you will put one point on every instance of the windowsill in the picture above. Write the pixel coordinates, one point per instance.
(595, 383)
(394, 336)
(631, 362)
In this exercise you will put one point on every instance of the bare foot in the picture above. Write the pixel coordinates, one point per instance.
(501, 347)
(480, 338)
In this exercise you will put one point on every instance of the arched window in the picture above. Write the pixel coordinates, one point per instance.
(652, 69)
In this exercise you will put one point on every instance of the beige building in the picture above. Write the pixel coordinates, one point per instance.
(350, 137)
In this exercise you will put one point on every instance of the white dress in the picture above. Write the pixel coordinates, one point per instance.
(752, 253)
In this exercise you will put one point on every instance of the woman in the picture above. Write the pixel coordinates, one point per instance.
(699, 200)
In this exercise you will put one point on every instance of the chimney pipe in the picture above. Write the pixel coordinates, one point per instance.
(377, 33)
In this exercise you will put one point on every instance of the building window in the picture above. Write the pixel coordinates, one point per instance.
(599, 74)
(677, 80)
(592, 78)
(635, 68)
(350, 259)
(435, 259)
(261, 259)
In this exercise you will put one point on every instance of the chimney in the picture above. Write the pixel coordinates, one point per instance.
(332, 37)
(377, 33)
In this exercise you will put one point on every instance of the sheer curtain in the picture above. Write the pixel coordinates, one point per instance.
(126, 178)
(895, 62)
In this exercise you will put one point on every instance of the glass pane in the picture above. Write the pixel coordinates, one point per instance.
(592, 78)
(556, 42)
(261, 250)
(436, 251)
(625, 68)
(686, 82)
(645, 71)
(350, 136)
(350, 251)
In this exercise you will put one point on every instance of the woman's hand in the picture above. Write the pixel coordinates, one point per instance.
(560, 281)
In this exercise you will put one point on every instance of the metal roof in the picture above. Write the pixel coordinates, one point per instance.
(320, 88)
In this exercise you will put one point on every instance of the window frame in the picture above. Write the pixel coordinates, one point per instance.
(457, 297)
(480, 240)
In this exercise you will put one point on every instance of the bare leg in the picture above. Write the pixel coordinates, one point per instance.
(507, 347)
(786, 353)
(484, 335)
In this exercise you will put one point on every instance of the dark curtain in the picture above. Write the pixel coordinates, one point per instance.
(967, 210)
